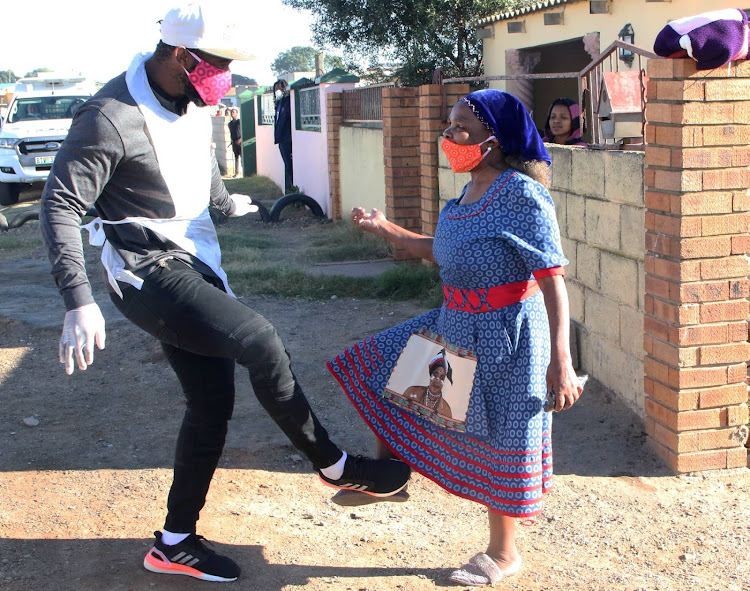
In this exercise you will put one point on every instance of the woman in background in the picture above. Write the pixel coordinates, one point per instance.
(563, 124)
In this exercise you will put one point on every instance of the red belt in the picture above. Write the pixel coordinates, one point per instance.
(487, 299)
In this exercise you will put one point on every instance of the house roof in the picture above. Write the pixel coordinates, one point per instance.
(521, 8)
(336, 75)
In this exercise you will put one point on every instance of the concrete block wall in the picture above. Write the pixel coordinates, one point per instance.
(697, 223)
(600, 203)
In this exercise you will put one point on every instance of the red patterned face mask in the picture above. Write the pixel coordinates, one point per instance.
(210, 82)
(464, 158)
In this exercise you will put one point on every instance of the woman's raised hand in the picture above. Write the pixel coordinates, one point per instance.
(369, 222)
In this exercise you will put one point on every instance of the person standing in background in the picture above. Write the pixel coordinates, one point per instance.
(235, 135)
(282, 132)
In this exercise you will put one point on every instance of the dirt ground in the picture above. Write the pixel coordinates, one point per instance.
(82, 490)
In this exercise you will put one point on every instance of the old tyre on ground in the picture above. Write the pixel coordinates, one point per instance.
(9, 193)
(265, 216)
(22, 218)
(295, 199)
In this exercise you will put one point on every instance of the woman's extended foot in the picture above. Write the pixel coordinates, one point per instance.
(485, 570)
(509, 564)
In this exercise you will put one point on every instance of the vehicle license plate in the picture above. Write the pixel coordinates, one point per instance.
(44, 159)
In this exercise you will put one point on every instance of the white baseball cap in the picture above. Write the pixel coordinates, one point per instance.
(199, 26)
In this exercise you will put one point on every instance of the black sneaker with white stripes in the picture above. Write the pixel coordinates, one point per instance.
(379, 478)
(190, 557)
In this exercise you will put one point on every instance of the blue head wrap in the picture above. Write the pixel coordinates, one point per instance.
(508, 120)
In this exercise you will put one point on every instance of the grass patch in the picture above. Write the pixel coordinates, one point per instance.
(258, 187)
(291, 282)
(342, 241)
(231, 241)
(15, 241)
(24, 240)
(251, 273)
(273, 261)
(411, 282)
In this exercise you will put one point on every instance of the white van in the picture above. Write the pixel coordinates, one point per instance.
(34, 126)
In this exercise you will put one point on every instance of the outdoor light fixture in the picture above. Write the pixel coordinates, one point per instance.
(627, 35)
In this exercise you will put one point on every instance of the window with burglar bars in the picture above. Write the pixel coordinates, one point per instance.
(308, 108)
(267, 109)
(364, 104)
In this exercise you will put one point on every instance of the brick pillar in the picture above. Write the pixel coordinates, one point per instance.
(695, 328)
(434, 99)
(401, 159)
(334, 106)
(431, 124)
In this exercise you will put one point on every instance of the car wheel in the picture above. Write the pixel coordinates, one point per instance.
(9, 193)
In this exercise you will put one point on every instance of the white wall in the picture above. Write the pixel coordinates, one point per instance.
(362, 169)
(311, 152)
(268, 156)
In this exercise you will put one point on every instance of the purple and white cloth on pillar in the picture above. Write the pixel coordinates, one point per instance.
(712, 39)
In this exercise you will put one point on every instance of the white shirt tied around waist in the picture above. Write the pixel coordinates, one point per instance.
(182, 147)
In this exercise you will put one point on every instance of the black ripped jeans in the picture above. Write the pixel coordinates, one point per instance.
(203, 332)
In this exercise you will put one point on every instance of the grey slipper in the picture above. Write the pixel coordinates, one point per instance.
(481, 570)
(354, 498)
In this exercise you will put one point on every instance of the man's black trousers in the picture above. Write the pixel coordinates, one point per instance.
(203, 332)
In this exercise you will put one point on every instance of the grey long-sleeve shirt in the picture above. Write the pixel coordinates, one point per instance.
(107, 161)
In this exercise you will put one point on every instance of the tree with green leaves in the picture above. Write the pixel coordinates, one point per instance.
(35, 73)
(302, 59)
(243, 80)
(421, 35)
(7, 77)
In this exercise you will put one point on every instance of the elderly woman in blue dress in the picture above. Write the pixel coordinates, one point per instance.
(502, 266)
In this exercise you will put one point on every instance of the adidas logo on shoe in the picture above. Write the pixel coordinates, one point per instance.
(380, 478)
(190, 557)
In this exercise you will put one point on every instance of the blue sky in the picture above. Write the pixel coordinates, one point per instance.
(100, 38)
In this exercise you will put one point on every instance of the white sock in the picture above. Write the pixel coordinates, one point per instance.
(335, 471)
(171, 538)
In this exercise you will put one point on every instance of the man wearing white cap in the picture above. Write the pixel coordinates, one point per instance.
(138, 152)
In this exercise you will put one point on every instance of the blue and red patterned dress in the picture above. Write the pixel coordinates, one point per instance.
(504, 457)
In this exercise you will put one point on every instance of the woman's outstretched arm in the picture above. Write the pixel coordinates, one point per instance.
(376, 223)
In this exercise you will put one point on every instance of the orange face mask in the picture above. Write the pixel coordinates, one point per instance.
(464, 158)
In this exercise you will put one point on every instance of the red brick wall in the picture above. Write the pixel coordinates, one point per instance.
(401, 159)
(334, 115)
(697, 224)
(435, 102)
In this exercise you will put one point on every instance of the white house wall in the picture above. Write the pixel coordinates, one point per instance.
(268, 157)
(361, 168)
(311, 153)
